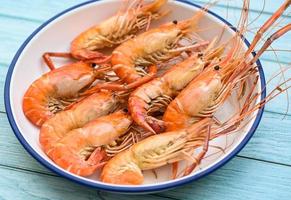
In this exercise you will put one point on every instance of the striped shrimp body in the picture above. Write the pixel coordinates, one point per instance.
(158, 93)
(198, 100)
(131, 58)
(153, 152)
(81, 150)
(57, 89)
(111, 32)
(90, 108)
(204, 94)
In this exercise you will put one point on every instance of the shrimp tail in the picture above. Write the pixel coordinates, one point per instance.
(139, 113)
(76, 165)
(94, 162)
(96, 158)
(157, 125)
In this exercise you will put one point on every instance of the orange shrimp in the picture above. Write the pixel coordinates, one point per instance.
(90, 108)
(158, 93)
(207, 91)
(57, 89)
(81, 150)
(173, 146)
(156, 151)
(112, 32)
(202, 97)
(131, 58)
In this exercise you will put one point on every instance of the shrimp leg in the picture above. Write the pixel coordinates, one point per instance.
(117, 86)
(47, 58)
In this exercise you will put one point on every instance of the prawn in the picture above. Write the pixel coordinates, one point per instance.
(173, 146)
(81, 150)
(57, 89)
(158, 93)
(132, 58)
(204, 94)
(90, 108)
(111, 32)
(156, 151)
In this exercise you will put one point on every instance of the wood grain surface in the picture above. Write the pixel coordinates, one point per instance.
(262, 170)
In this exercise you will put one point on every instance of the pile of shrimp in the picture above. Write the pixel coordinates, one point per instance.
(153, 100)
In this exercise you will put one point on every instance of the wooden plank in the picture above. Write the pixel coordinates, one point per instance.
(255, 6)
(281, 102)
(18, 184)
(18, 157)
(239, 179)
(3, 72)
(271, 142)
(43, 9)
(13, 33)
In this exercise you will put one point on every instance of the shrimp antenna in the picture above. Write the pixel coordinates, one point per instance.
(267, 25)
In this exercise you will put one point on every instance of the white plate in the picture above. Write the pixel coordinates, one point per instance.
(55, 35)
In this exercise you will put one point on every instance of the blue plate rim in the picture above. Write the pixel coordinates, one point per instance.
(112, 188)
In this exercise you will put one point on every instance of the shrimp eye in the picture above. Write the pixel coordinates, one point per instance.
(200, 55)
(217, 67)
(175, 22)
(93, 65)
(125, 110)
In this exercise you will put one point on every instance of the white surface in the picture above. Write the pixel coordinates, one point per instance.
(57, 36)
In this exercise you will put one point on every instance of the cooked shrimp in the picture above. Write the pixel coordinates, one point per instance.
(156, 151)
(90, 108)
(187, 108)
(202, 97)
(112, 32)
(57, 89)
(131, 58)
(81, 150)
(158, 93)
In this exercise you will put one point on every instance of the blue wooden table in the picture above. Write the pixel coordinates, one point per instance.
(262, 170)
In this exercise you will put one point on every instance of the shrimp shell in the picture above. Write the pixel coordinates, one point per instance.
(92, 107)
(55, 90)
(81, 150)
(153, 152)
